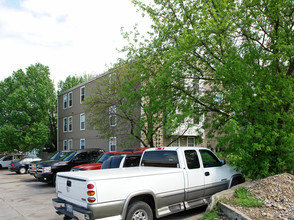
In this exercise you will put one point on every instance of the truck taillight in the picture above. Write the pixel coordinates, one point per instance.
(90, 186)
(12, 165)
(91, 193)
(91, 199)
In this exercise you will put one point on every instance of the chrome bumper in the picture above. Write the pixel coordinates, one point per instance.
(74, 212)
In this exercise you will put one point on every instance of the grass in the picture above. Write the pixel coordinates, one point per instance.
(243, 197)
(211, 215)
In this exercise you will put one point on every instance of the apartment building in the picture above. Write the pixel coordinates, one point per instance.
(74, 133)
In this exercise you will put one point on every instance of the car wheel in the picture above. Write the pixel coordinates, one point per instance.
(139, 211)
(22, 170)
(0, 166)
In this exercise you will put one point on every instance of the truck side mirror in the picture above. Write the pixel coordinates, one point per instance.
(223, 161)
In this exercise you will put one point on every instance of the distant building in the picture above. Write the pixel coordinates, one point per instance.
(73, 132)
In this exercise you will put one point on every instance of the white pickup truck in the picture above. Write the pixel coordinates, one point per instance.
(168, 180)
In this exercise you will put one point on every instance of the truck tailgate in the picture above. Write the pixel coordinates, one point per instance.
(72, 189)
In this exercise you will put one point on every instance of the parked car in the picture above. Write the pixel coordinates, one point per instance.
(168, 180)
(97, 165)
(47, 170)
(6, 160)
(122, 161)
(55, 156)
(21, 166)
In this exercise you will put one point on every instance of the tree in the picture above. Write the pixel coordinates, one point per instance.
(72, 81)
(242, 52)
(28, 110)
(133, 101)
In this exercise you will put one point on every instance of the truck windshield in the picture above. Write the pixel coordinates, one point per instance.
(160, 158)
(66, 156)
(54, 156)
(104, 157)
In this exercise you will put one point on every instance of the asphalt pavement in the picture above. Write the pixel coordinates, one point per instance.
(23, 198)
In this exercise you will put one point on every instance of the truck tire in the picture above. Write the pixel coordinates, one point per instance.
(235, 182)
(22, 170)
(139, 211)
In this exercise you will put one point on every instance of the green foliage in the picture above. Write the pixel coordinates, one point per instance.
(72, 81)
(242, 53)
(211, 215)
(28, 110)
(243, 197)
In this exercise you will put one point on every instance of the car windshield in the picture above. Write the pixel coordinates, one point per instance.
(104, 157)
(70, 156)
(54, 156)
(66, 156)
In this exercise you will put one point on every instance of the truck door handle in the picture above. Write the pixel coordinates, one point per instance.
(206, 173)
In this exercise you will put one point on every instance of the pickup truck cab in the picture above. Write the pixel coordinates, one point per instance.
(168, 180)
(47, 170)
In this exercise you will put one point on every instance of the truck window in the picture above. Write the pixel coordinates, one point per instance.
(112, 162)
(209, 159)
(132, 161)
(192, 159)
(160, 158)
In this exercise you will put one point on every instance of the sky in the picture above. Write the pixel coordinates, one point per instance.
(71, 37)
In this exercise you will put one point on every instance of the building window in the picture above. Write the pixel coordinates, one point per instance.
(82, 144)
(82, 93)
(64, 144)
(70, 144)
(82, 121)
(65, 101)
(64, 124)
(70, 99)
(112, 144)
(112, 116)
(176, 143)
(112, 78)
(190, 141)
(70, 124)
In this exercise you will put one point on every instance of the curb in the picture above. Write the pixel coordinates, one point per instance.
(232, 213)
(229, 211)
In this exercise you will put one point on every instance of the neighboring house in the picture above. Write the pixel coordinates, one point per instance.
(73, 132)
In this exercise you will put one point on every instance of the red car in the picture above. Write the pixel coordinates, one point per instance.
(97, 165)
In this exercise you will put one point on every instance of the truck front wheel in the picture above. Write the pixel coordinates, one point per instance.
(139, 211)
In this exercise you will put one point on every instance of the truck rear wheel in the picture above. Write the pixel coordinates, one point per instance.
(139, 211)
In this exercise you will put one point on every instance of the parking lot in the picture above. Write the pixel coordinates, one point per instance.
(23, 198)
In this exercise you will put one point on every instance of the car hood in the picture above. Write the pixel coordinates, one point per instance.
(52, 163)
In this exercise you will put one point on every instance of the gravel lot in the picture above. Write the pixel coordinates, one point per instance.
(23, 198)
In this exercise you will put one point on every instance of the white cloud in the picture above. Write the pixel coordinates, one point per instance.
(69, 36)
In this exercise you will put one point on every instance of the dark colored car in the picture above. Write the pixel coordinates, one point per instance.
(33, 165)
(22, 165)
(46, 171)
(122, 161)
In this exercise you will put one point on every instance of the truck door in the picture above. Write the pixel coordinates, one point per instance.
(215, 178)
(195, 180)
